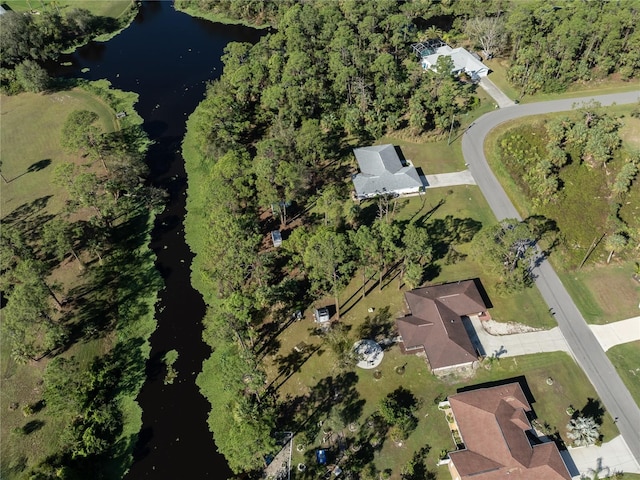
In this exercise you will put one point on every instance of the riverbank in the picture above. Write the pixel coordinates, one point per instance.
(216, 17)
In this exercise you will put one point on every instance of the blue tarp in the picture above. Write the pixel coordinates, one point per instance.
(321, 456)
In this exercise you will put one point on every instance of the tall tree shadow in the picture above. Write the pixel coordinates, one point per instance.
(34, 167)
(378, 326)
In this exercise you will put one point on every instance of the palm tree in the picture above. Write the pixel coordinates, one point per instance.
(583, 431)
(433, 33)
(614, 243)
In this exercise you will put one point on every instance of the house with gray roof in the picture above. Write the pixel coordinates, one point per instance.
(383, 172)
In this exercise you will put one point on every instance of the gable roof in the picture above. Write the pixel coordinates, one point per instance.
(435, 322)
(493, 426)
(382, 171)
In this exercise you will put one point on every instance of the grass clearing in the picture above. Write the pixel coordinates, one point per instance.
(105, 8)
(30, 139)
(605, 300)
(626, 359)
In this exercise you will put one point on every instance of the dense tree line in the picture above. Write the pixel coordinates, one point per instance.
(550, 46)
(553, 45)
(29, 40)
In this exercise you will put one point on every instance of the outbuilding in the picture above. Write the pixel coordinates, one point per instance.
(276, 237)
(321, 315)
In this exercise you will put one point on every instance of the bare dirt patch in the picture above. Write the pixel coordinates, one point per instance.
(507, 328)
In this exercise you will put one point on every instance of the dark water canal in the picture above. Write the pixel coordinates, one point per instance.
(167, 57)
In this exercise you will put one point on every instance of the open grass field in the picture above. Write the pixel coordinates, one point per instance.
(626, 359)
(105, 8)
(612, 84)
(30, 142)
(604, 293)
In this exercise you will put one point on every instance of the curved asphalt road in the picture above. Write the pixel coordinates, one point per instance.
(583, 344)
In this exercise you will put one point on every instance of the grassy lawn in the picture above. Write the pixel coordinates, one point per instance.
(498, 76)
(603, 292)
(105, 8)
(626, 359)
(604, 300)
(30, 138)
(295, 375)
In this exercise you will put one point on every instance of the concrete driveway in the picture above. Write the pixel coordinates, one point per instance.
(449, 179)
(514, 344)
(606, 459)
(498, 95)
(616, 333)
(517, 343)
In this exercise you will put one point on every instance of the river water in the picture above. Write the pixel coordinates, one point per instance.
(167, 57)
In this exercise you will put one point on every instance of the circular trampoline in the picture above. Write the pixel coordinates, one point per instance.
(368, 354)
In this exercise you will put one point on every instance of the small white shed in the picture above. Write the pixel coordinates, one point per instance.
(276, 237)
(321, 315)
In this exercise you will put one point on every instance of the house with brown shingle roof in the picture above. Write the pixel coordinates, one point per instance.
(498, 439)
(434, 325)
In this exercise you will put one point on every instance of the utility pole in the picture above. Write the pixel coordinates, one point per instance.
(451, 128)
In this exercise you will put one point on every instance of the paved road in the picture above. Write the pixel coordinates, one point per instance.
(583, 344)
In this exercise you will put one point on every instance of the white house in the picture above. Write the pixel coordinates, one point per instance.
(463, 61)
(382, 172)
